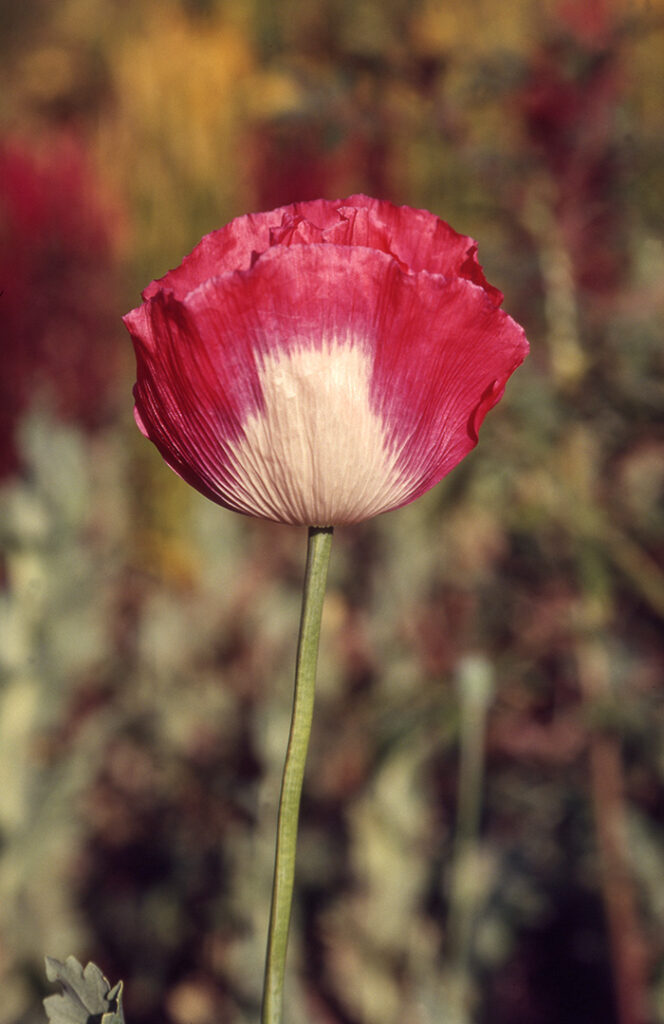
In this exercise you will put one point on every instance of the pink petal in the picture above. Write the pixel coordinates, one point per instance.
(322, 383)
(417, 239)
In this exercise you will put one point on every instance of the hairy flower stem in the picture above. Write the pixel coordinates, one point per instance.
(315, 576)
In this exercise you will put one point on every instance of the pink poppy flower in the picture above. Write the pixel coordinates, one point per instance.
(321, 363)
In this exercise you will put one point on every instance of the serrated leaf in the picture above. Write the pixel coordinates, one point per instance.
(116, 1014)
(87, 996)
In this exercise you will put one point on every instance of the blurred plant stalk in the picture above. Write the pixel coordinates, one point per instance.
(597, 541)
(568, 361)
(607, 786)
(470, 872)
(628, 949)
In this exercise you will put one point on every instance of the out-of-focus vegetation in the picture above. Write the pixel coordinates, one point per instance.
(483, 823)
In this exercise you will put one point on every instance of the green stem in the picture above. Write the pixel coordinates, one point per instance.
(467, 891)
(315, 575)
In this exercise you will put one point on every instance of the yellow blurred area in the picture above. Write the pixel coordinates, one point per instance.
(175, 140)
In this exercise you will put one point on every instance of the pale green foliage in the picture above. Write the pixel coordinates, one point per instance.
(87, 996)
(51, 634)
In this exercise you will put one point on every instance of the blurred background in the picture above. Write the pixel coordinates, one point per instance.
(482, 834)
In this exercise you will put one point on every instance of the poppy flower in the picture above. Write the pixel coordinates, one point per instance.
(321, 363)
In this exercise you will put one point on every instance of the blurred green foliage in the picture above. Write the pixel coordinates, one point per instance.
(482, 830)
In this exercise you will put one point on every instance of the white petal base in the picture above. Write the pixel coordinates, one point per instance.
(316, 454)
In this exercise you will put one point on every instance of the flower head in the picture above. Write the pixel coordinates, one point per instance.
(323, 362)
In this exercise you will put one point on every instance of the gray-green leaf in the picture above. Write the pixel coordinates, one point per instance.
(87, 997)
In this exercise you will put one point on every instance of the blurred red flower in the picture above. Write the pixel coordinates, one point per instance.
(569, 104)
(324, 362)
(56, 278)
